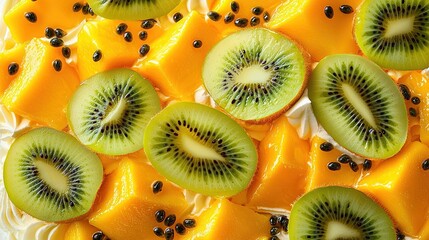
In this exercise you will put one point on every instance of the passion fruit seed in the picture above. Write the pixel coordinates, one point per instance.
(121, 28)
(334, 166)
(405, 91)
(56, 42)
(257, 10)
(97, 55)
(274, 238)
(266, 17)
(31, 17)
(284, 222)
(77, 7)
(415, 100)
(197, 43)
(229, 17)
(177, 17)
(160, 215)
(353, 165)
(329, 12)
(413, 112)
(274, 231)
(235, 7)
(189, 223)
(425, 164)
(143, 35)
(57, 64)
(346, 9)
(367, 164)
(148, 23)
(13, 68)
(169, 233)
(214, 16)
(128, 36)
(170, 220)
(66, 51)
(326, 146)
(144, 50)
(59, 33)
(399, 235)
(158, 231)
(157, 187)
(254, 21)
(180, 228)
(49, 32)
(344, 158)
(241, 22)
(99, 235)
(273, 220)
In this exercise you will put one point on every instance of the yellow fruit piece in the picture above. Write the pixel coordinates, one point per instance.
(126, 206)
(111, 162)
(116, 51)
(424, 233)
(398, 184)
(10, 56)
(305, 22)
(173, 64)
(49, 13)
(228, 221)
(80, 230)
(282, 168)
(40, 93)
(320, 175)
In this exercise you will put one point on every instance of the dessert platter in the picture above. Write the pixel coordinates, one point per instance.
(214, 119)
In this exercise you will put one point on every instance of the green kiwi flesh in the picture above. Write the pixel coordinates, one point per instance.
(359, 105)
(255, 74)
(201, 149)
(334, 213)
(109, 111)
(132, 9)
(51, 176)
(394, 33)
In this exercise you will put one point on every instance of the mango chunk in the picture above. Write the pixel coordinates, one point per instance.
(173, 64)
(320, 175)
(48, 13)
(228, 221)
(398, 184)
(126, 206)
(282, 168)
(80, 230)
(111, 162)
(306, 22)
(8, 57)
(424, 233)
(116, 50)
(41, 93)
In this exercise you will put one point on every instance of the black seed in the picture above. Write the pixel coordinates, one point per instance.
(334, 166)
(254, 21)
(59, 33)
(273, 220)
(353, 166)
(143, 35)
(241, 22)
(197, 43)
(235, 7)
(13, 68)
(214, 16)
(85, 9)
(274, 231)
(329, 12)
(257, 10)
(169, 233)
(97, 56)
(399, 235)
(66, 52)
(326, 146)
(128, 36)
(367, 164)
(413, 112)
(346, 9)
(344, 158)
(158, 231)
(148, 23)
(56, 42)
(99, 235)
(189, 223)
(425, 164)
(415, 100)
(49, 32)
(157, 186)
(77, 7)
(121, 28)
(405, 91)
(229, 17)
(160, 215)
(274, 238)
(177, 17)
(170, 220)
(266, 17)
(144, 49)
(284, 221)
(180, 229)
(31, 17)
(57, 64)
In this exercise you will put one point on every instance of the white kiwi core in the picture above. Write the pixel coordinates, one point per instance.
(337, 230)
(52, 176)
(253, 74)
(399, 27)
(115, 113)
(359, 104)
(197, 149)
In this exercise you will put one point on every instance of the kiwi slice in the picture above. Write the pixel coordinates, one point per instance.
(132, 9)
(109, 111)
(359, 105)
(51, 176)
(394, 33)
(255, 74)
(201, 149)
(335, 212)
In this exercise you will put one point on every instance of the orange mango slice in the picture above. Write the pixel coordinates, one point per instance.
(126, 205)
(173, 64)
(40, 93)
(117, 50)
(80, 230)
(48, 13)
(398, 184)
(228, 221)
(282, 168)
(8, 57)
(320, 175)
(305, 21)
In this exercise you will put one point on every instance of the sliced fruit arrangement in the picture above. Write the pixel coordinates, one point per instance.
(359, 105)
(255, 74)
(109, 111)
(339, 213)
(394, 33)
(201, 149)
(51, 176)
